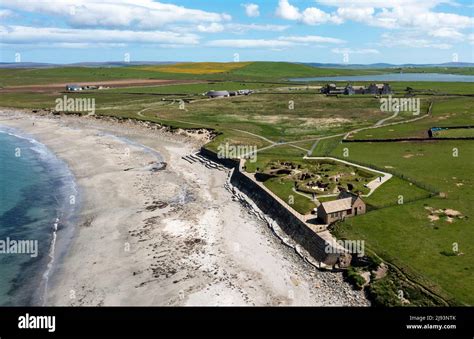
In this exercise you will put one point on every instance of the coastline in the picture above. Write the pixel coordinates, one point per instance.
(58, 216)
(166, 236)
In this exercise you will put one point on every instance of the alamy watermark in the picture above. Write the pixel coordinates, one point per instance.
(66, 104)
(36, 322)
(397, 105)
(227, 151)
(12, 246)
(347, 246)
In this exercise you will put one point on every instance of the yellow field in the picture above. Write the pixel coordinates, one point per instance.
(198, 67)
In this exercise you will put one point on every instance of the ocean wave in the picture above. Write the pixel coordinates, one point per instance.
(65, 185)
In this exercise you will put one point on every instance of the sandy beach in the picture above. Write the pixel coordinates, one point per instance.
(164, 231)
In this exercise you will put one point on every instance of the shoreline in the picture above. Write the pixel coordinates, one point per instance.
(169, 236)
(64, 214)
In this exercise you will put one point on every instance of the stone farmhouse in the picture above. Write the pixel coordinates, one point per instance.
(346, 205)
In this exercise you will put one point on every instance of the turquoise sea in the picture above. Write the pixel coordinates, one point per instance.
(38, 201)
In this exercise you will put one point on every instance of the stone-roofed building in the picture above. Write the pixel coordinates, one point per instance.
(347, 204)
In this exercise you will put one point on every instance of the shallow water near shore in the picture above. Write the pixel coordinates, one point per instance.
(38, 198)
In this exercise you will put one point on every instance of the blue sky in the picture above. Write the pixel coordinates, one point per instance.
(328, 31)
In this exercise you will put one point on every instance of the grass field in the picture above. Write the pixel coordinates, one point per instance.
(405, 234)
(301, 177)
(447, 70)
(454, 111)
(455, 133)
(198, 68)
(243, 71)
(264, 114)
(284, 190)
(208, 71)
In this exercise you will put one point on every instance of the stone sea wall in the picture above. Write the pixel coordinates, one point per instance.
(294, 227)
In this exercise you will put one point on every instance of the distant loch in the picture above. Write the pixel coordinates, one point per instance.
(432, 77)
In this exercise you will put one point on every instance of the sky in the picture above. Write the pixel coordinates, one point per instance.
(322, 31)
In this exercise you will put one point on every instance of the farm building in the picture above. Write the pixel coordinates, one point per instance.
(379, 89)
(349, 89)
(332, 89)
(244, 92)
(224, 94)
(346, 205)
(73, 88)
(218, 94)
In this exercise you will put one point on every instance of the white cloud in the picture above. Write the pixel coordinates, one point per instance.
(384, 3)
(27, 35)
(5, 13)
(447, 33)
(358, 13)
(229, 28)
(470, 38)
(242, 28)
(355, 51)
(250, 43)
(252, 10)
(388, 14)
(309, 16)
(411, 40)
(314, 16)
(393, 14)
(142, 14)
(279, 43)
(432, 28)
(312, 39)
(287, 11)
(212, 28)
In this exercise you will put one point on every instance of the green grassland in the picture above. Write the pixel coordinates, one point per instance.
(394, 192)
(284, 190)
(277, 153)
(193, 90)
(282, 70)
(270, 116)
(402, 234)
(249, 71)
(35, 76)
(298, 178)
(325, 146)
(252, 71)
(265, 114)
(455, 133)
(446, 70)
(326, 169)
(446, 111)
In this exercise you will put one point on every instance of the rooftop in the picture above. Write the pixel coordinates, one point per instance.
(337, 205)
